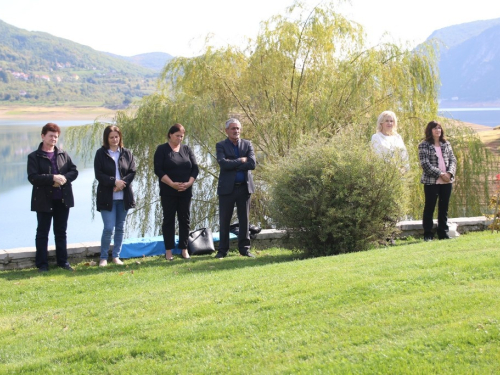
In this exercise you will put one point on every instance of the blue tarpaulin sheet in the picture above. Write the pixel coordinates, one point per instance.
(150, 246)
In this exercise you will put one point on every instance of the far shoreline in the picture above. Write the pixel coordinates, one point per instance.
(54, 114)
(91, 113)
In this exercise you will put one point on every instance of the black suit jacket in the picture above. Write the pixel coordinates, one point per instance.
(230, 164)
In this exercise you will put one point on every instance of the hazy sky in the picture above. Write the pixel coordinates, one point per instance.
(179, 27)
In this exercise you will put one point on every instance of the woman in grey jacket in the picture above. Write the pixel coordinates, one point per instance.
(114, 168)
(439, 165)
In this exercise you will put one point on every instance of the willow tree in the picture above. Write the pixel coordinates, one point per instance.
(307, 72)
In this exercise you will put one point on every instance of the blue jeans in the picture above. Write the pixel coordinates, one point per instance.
(114, 219)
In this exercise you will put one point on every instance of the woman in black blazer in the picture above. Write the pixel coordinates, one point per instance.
(439, 165)
(114, 169)
(177, 169)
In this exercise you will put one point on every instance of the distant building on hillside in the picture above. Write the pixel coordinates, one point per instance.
(20, 75)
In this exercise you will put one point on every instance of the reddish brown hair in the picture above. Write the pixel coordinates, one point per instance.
(51, 127)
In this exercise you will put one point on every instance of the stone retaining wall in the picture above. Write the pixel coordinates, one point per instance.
(25, 257)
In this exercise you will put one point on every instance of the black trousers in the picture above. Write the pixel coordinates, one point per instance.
(241, 197)
(59, 214)
(180, 205)
(432, 194)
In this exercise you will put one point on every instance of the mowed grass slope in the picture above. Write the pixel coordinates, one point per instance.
(409, 309)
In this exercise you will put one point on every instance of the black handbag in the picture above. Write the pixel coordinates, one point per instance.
(253, 229)
(200, 242)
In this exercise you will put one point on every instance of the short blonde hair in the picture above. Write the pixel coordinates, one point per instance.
(383, 116)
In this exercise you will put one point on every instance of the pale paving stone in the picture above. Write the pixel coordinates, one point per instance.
(21, 253)
(270, 234)
(4, 257)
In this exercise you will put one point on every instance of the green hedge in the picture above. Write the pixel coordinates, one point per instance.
(336, 196)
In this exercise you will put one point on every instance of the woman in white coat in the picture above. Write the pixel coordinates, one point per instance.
(387, 142)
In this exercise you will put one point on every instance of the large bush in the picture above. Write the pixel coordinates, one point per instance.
(336, 196)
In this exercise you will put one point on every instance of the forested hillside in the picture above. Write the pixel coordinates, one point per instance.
(38, 68)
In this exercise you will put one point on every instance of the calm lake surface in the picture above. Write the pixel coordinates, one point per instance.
(17, 222)
(480, 116)
(19, 138)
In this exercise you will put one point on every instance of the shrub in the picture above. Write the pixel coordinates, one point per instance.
(336, 196)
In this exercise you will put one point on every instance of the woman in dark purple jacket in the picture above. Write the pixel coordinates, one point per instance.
(51, 172)
(177, 169)
(114, 168)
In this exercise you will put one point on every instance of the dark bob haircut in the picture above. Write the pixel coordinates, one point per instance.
(51, 127)
(174, 129)
(107, 131)
(428, 132)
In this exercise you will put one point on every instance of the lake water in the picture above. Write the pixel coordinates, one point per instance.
(17, 222)
(480, 116)
(19, 138)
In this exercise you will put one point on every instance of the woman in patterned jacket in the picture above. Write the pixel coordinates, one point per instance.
(439, 165)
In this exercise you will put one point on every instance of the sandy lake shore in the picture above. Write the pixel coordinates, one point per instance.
(54, 114)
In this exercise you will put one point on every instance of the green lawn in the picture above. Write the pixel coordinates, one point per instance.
(421, 308)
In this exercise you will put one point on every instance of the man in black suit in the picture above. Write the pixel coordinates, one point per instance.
(236, 159)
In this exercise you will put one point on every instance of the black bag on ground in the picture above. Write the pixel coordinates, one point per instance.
(253, 229)
(200, 242)
(234, 228)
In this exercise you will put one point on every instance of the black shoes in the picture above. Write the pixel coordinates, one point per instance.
(66, 267)
(221, 255)
(440, 237)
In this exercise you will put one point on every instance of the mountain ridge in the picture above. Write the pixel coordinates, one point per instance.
(152, 60)
(39, 68)
(469, 64)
